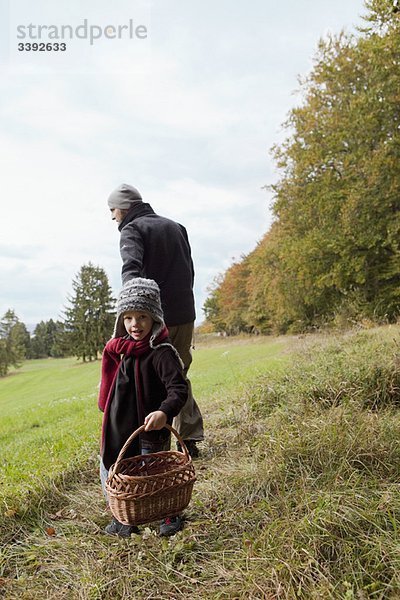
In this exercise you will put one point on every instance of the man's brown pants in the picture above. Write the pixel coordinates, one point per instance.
(189, 422)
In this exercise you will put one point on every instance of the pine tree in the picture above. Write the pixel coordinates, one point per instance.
(49, 339)
(58, 339)
(13, 342)
(21, 339)
(89, 320)
(39, 347)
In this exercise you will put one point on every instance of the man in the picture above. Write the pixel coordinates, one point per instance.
(158, 248)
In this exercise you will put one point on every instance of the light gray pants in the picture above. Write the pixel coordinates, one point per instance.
(189, 422)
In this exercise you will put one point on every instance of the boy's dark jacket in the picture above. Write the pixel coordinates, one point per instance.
(158, 248)
(138, 380)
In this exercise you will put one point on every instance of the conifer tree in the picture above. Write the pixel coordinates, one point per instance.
(49, 339)
(13, 342)
(90, 318)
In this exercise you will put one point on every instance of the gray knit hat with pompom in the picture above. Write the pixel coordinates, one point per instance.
(139, 294)
(142, 294)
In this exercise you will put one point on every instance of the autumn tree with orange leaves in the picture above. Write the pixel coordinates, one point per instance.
(334, 248)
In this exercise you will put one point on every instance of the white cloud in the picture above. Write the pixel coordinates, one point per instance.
(188, 118)
(42, 112)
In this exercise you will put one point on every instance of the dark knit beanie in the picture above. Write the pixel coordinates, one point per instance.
(138, 294)
(123, 197)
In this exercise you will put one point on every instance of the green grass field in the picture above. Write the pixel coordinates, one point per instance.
(48, 417)
(297, 492)
(50, 423)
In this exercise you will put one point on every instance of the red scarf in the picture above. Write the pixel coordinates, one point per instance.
(113, 353)
(111, 360)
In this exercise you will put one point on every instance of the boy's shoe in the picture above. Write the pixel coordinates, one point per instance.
(191, 446)
(170, 526)
(117, 528)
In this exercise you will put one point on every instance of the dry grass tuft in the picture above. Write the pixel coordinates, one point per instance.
(297, 497)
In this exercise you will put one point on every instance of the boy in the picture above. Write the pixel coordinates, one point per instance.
(142, 381)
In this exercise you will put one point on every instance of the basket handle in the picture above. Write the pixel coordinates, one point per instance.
(139, 430)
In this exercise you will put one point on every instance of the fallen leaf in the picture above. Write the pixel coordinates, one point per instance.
(50, 531)
(64, 513)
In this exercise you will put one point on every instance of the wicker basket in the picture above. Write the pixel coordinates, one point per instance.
(148, 487)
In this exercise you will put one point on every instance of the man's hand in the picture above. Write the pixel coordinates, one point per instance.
(155, 420)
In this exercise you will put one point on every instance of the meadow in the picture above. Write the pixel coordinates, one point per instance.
(50, 423)
(298, 481)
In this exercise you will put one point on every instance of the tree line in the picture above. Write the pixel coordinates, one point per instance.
(333, 251)
(83, 331)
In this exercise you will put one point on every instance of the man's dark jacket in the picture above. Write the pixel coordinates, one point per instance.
(158, 248)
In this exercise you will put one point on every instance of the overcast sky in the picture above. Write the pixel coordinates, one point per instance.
(186, 111)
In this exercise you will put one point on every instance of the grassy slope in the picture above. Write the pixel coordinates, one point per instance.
(48, 413)
(297, 492)
(50, 422)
